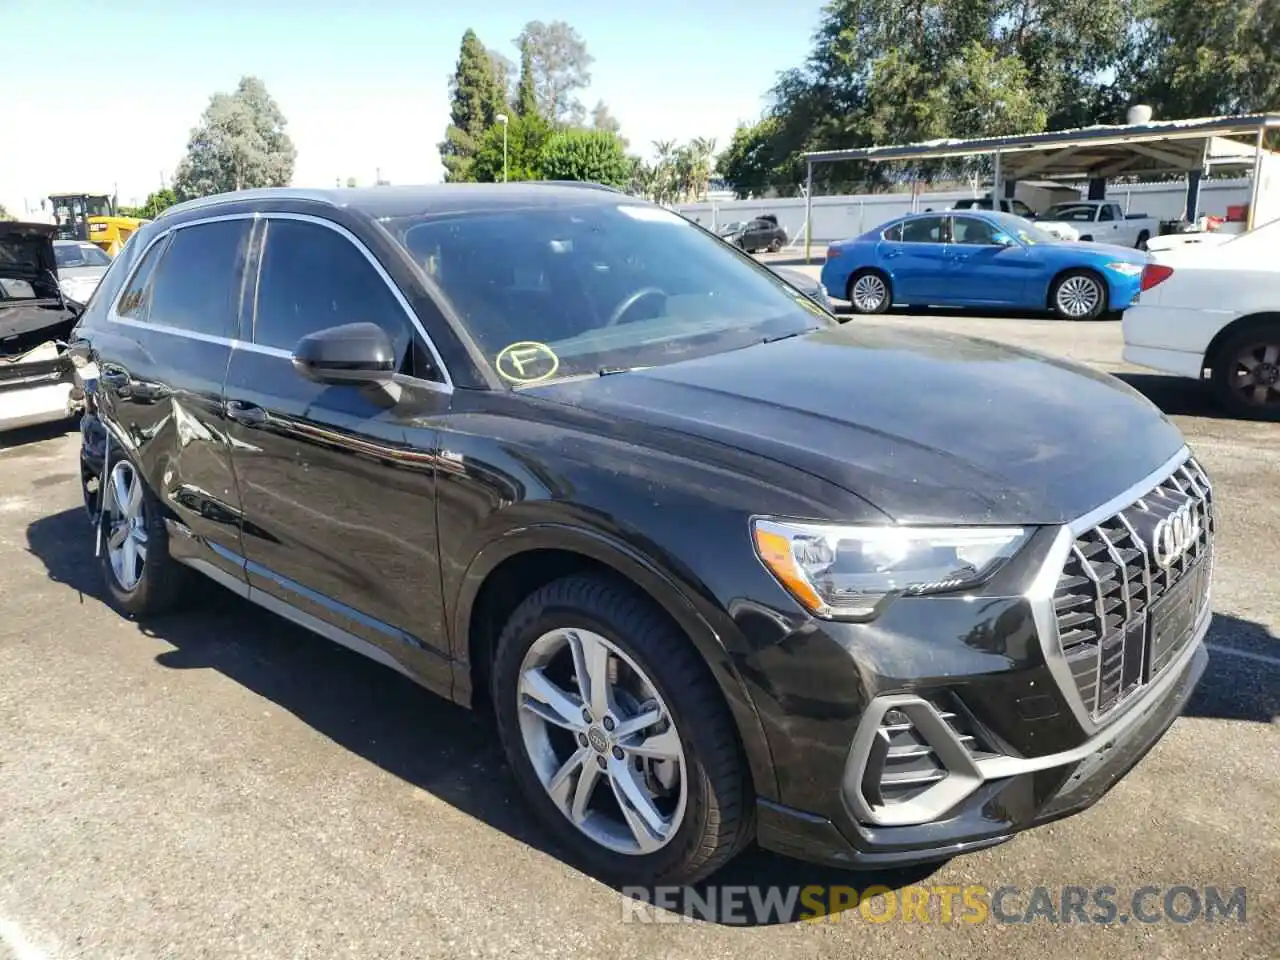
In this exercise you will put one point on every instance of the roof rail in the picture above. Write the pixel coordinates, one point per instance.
(584, 184)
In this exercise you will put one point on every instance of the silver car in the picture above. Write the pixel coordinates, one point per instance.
(80, 266)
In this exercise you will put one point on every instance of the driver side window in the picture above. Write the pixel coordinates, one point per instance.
(313, 277)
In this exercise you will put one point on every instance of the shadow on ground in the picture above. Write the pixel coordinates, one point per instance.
(12, 439)
(374, 712)
(1177, 396)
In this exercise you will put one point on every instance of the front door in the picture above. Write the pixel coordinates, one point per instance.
(338, 482)
(984, 271)
(170, 337)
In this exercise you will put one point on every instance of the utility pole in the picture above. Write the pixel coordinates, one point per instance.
(502, 119)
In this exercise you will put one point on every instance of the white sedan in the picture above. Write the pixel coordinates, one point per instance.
(1214, 310)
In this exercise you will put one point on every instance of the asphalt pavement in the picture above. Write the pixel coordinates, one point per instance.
(222, 784)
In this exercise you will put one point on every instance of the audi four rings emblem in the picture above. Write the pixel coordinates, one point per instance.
(1175, 534)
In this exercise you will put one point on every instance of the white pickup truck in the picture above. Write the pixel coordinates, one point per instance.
(1100, 221)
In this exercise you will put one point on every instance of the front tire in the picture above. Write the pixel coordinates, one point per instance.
(142, 579)
(1078, 295)
(618, 736)
(1246, 373)
(1143, 237)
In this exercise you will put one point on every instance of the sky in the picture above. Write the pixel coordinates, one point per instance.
(107, 92)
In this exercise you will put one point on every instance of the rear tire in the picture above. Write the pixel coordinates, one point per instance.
(142, 579)
(1078, 295)
(870, 291)
(556, 738)
(1143, 237)
(1246, 373)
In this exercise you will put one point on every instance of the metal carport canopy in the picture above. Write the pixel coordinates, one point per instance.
(1164, 146)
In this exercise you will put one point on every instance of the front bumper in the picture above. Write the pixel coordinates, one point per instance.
(1028, 793)
(36, 388)
(951, 722)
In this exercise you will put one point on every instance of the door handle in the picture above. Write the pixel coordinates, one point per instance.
(247, 414)
(890, 254)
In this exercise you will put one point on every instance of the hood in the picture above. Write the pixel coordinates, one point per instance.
(927, 427)
(26, 250)
(32, 306)
(1111, 250)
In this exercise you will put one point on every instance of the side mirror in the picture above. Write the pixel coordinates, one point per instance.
(1003, 240)
(354, 353)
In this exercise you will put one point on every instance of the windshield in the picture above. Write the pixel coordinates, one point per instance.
(733, 227)
(1022, 229)
(554, 292)
(1075, 212)
(80, 255)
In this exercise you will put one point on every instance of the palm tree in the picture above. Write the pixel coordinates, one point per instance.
(703, 150)
(664, 187)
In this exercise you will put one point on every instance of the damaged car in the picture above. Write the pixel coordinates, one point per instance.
(37, 382)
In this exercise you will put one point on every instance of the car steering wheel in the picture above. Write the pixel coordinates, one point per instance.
(630, 301)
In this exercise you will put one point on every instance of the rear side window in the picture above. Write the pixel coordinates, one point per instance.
(136, 300)
(196, 286)
(312, 278)
(923, 230)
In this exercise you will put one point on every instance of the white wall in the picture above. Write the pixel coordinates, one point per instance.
(836, 218)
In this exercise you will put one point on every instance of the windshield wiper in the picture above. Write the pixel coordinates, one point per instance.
(609, 371)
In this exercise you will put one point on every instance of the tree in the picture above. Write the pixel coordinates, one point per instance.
(503, 74)
(156, 203)
(591, 156)
(526, 98)
(351, 182)
(5, 214)
(239, 143)
(560, 66)
(526, 137)
(1209, 57)
(476, 101)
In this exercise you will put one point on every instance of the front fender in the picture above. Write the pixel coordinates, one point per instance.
(689, 606)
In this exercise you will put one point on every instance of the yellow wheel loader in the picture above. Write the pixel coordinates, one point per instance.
(92, 217)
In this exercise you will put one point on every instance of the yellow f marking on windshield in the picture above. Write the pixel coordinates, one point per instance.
(526, 361)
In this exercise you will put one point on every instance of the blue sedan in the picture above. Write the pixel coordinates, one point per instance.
(980, 259)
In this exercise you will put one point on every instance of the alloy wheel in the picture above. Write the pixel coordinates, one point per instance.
(868, 293)
(1078, 296)
(1255, 375)
(125, 517)
(601, 741)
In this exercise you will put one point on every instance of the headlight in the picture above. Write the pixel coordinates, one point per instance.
(845, 572)
(1127, 269)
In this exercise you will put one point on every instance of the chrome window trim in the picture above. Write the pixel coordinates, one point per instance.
(414, 321)
(238, 343)
(1040, 597)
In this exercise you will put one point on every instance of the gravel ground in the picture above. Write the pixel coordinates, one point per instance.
(222, 784)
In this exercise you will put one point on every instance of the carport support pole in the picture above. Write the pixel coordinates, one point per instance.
(808, 207)
(1257, 175)
(996, 192)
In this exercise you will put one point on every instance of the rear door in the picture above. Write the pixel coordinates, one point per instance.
(162, 363)
(918, 261)
(338, 482)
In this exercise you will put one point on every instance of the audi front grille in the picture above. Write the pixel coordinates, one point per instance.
(1107, 603)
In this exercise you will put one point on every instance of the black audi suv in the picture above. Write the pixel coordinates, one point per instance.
(723, 568)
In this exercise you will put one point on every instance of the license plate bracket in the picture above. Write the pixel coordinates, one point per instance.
(1174, 616)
